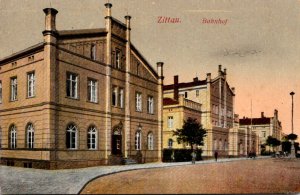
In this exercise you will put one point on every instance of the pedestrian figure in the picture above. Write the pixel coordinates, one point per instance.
(216, 155)
(193, 157)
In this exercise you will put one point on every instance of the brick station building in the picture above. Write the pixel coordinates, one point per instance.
(80, 98)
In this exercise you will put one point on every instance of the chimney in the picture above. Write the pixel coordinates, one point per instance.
(220, 70)
(262, 115)
(108, 9)
(225, 71)
(208, 77)
(50, 25)
(276, 113)
(160, 70)
(195, 79)
(176, 88)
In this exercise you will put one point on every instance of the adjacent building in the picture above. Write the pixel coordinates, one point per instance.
(263, 126)
(217, 108)
(80, 98)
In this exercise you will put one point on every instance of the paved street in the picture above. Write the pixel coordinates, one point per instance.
(15, 180)
(238, 177)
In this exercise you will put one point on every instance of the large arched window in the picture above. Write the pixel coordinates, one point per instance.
(30, 136)
(150, 141)
(71, 136)
(138, 140)
(92, 138)
(13, 137)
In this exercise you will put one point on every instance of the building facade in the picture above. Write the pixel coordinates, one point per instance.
(217, 108)
(263, 126)
(175, 111)
(80, 98)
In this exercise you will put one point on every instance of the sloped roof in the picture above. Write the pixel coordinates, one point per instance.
(255, 121)
(169, 101)
(185, 85)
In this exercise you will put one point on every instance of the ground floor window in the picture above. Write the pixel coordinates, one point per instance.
(92, 138)
(138, 140)
(71, 137)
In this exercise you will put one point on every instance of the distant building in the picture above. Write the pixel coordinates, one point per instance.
(217, 108)
(175, 111)
(80, 98)
(263, 126)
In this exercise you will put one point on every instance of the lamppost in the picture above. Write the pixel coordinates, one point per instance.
(292, 145)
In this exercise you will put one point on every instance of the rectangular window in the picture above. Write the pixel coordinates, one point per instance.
(114, 96)
(92, 90)
(150, 105)
(121, 97)
(13, 89)
(170, 122)
(118, 59)
(30, 84)
(197, 93)
(185, 94)
(138, 101)
(93, 52)
(72, 85)
(0, 92)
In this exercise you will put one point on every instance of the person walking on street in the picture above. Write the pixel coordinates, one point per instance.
(216, 155)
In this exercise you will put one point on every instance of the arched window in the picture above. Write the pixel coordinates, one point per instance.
(92, 138)
(170, 143)
(150, 141)
(138, 140)
(30, 136)
(13, 137)
(71, 137)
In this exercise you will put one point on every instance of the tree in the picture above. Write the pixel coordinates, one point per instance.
(292, 136)
(273, 142)
(191, 133)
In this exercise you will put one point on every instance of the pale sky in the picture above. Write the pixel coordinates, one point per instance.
(259, 45)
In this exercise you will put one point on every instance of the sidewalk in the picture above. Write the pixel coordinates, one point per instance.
(15, 180)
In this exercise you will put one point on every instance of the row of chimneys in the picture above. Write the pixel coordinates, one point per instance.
(262, 115)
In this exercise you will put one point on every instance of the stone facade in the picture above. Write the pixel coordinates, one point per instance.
(83, 110)
(217, 108)
(174, 114)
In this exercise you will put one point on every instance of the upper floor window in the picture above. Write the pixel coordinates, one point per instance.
(138, 140)
(150, 141)
(138, 101)
(170, 122)
(30, 58)
(121, 98)
(92, 90)
(138, 69)
(185, 94)
(30, 136)
(93, 52)
(72, 85)
(114, 96)
(13, 89)
(150, 105)
(197, 93)
(118, 59)
(71, 137)
(0, 92)
(13, 137)
(92, 138)
(30, 84)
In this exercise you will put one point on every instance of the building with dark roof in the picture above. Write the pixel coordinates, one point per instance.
(80, 98)
(217, 107)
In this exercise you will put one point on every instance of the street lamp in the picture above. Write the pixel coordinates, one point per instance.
(293, 155)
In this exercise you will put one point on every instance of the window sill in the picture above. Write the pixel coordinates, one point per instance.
(13, 100)
(92, 102)
(78, 99)
(30, 97)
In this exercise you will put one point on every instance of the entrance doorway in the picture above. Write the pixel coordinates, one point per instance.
(116, 143)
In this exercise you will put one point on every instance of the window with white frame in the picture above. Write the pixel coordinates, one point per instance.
(121, 97)
(30, 84)
(138, 140)
(92, 138)
(13, 137)
(72, 85)
(30, 136)
(92, 90)
(13, 89)
(118, 59)
(71, 136)
(138, 101)
(170, 143)
(114, 96)
(150, 141)
(150, 105)
(93, 52)
(170, 121)
(0, 92)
